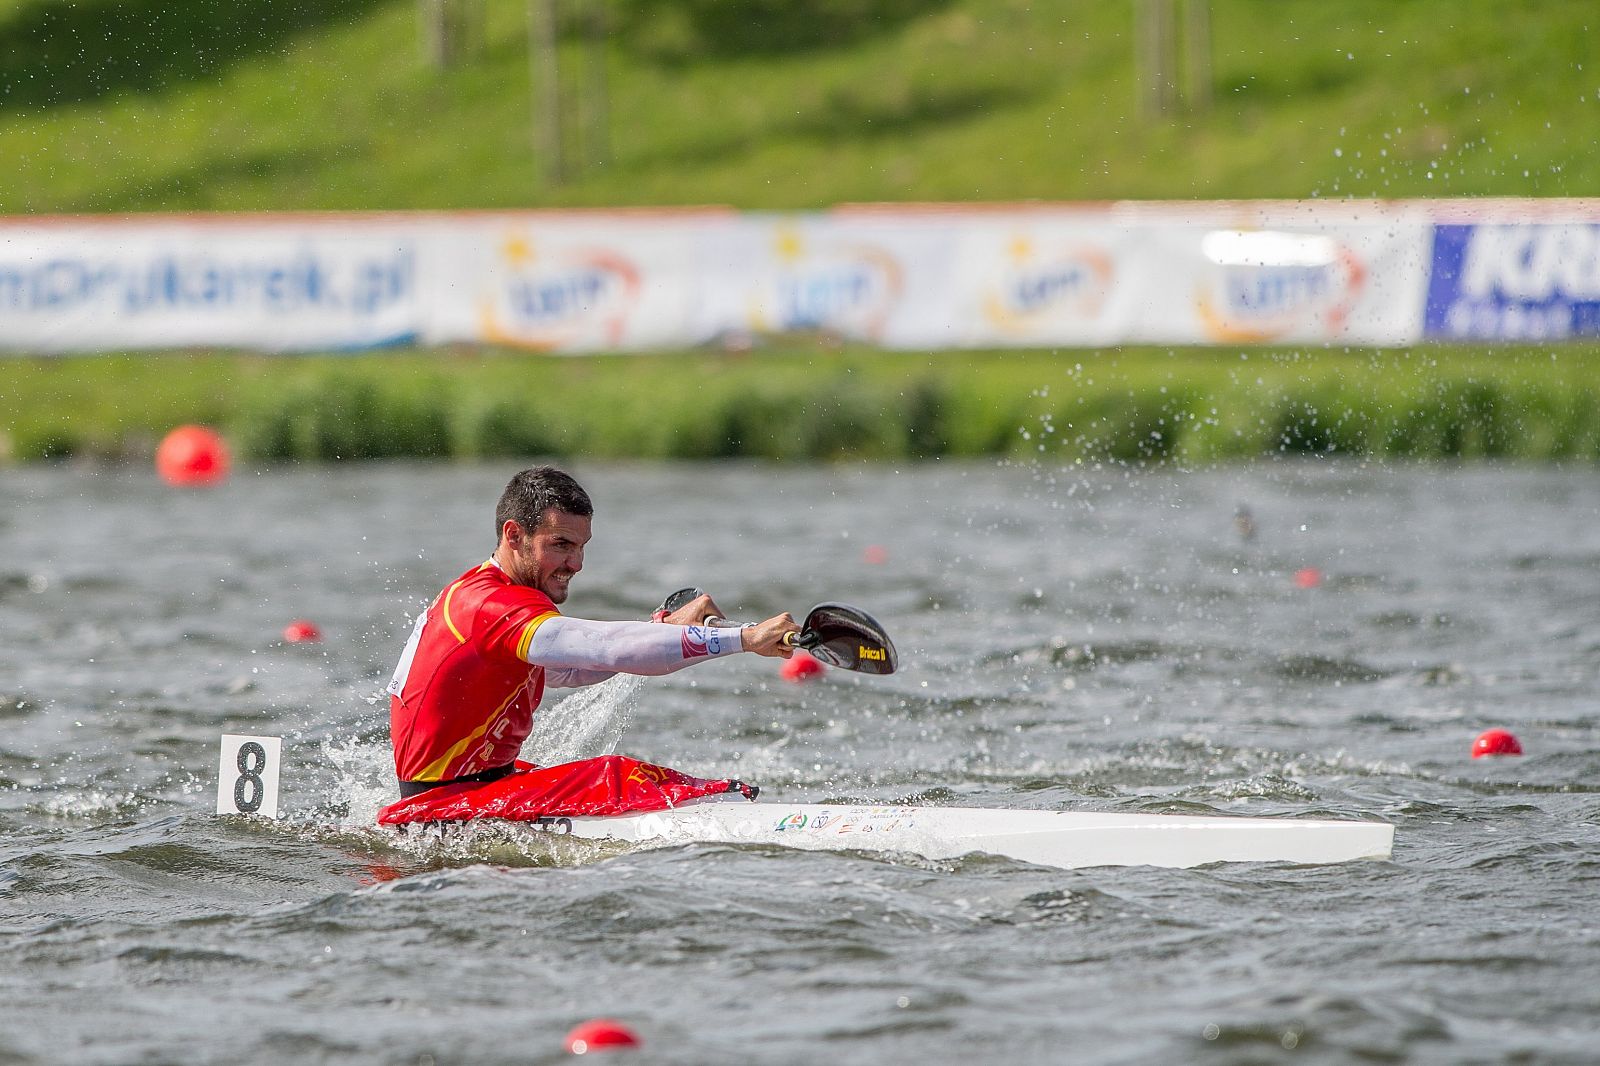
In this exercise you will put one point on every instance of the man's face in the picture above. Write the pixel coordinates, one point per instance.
(545, 558)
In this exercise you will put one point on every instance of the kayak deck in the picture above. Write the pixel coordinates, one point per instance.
(1064, 839)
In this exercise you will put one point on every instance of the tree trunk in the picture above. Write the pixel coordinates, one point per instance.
(546, 88)
(451, 31)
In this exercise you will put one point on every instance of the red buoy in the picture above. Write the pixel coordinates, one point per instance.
(192, 455)
(301, 631)
(875, 555)
(600, 1034)
(800, 667)
(1307, 577)
(1495, 742)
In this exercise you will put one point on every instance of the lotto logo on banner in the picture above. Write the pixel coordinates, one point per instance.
(1040, 277)
(564, 283)
(1264, 285)
(839, 286)
(1039, 287)
(1514, 282)
(566, 298)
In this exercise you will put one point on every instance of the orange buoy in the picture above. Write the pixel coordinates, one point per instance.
(1495, 742)
(193, 455)
(1307, 577)
(600, 1034)
(301, 631)
(800, 666)
(875, 555)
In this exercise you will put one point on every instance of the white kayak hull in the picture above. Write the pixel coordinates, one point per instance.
(1065, 839)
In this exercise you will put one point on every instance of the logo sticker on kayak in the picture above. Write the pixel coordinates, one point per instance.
(854, 820)
(865, 652)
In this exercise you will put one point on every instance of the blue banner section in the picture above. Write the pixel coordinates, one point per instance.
(1514, 281)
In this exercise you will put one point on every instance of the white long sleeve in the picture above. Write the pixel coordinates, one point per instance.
(563, 644)
(576, 678)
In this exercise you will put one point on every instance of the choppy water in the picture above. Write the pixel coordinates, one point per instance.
(1097, 639)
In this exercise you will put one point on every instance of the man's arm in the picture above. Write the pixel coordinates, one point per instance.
(576, 678)
(565, 645)
(647, 648)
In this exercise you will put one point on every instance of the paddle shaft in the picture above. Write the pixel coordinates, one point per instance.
(793, 640)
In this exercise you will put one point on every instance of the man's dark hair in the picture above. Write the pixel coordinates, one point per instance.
(536, 490)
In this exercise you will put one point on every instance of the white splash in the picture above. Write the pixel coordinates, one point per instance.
(586, 723)
(366, 778)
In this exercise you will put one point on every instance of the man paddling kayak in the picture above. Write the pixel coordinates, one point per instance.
(478, 660)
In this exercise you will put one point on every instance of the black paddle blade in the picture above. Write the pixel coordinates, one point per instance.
(679, 598)
(849, 638)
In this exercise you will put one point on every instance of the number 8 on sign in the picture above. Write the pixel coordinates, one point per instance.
(247, 776)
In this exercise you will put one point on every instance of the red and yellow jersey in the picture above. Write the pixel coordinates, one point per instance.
(463, 696)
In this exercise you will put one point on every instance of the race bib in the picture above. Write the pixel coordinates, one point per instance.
(397, 683)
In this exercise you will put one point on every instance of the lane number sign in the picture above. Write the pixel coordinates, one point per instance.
(247, 775)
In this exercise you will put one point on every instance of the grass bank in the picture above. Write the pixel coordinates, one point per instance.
(795, 402)
(279, 105)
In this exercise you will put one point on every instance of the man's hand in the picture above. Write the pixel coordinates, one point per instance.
(766, 638)
(694, 613)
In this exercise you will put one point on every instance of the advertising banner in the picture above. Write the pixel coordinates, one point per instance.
(570, 283)
(1031, 279)
(878, 279)
(1088, 275)
(925, 277)
(273, 286)
(1514, 281)
(1262, 277)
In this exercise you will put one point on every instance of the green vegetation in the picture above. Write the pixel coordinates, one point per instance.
(139, 105)
(1123, 404)
(136, 105)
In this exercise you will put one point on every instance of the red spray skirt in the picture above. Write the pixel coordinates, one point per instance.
(610, 784)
